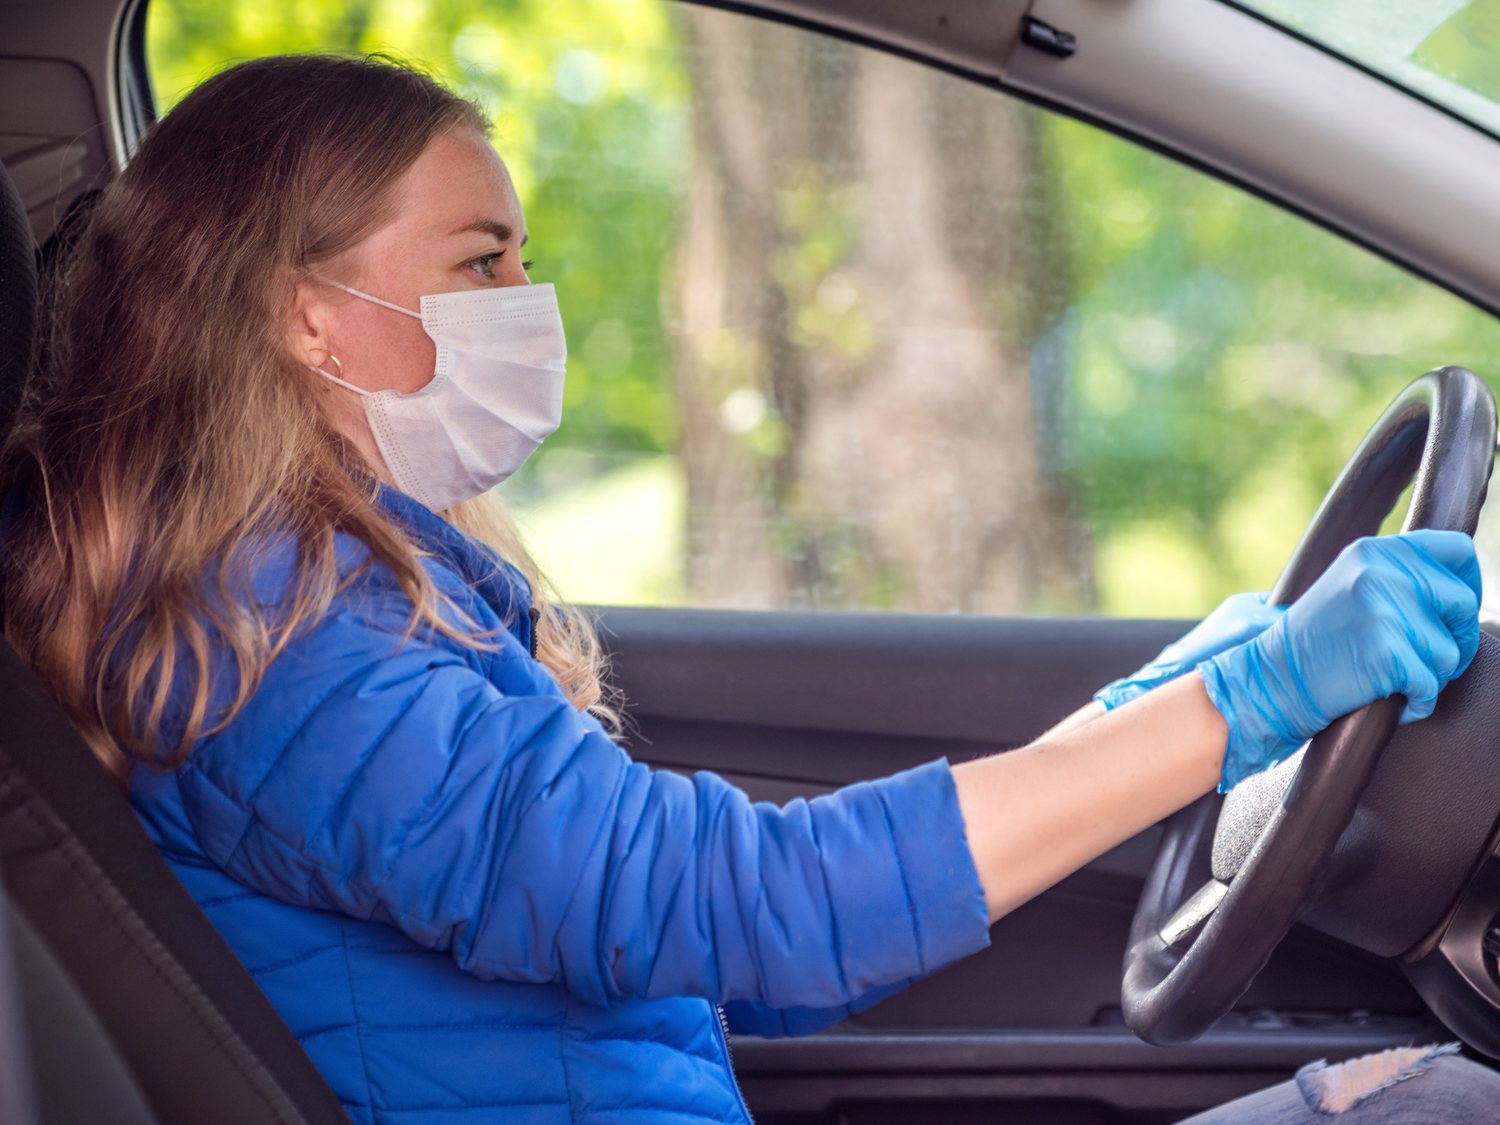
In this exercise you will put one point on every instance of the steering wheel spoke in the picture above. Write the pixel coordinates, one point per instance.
(1180, 929)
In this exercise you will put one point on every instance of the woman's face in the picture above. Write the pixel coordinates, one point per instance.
(456, 225)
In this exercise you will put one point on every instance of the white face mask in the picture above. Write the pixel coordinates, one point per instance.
(496, 395)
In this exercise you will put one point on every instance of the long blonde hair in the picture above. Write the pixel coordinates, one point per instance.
(169, 427)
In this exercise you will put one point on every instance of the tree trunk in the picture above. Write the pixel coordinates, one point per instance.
(865, 264)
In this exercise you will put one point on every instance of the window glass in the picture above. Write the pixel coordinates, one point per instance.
(850, 333)
(1447, 50)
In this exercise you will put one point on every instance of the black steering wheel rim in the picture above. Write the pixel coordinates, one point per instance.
(1187, 962)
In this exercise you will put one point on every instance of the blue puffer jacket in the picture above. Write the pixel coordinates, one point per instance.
(470, 905)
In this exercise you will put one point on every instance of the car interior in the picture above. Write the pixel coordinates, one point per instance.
(1359, 889)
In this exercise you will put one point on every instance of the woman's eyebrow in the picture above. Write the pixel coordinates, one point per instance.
(500, 230)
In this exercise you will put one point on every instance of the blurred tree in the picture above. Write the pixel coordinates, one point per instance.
(858, 294)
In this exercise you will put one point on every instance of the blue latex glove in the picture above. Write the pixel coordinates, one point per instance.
(1237, 619)
(1392, 614)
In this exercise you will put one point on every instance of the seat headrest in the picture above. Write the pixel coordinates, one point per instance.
(18, 299)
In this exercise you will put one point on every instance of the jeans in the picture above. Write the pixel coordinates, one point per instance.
(1407, 1086)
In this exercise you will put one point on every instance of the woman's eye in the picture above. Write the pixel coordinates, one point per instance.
(484, 265)
(526, 265)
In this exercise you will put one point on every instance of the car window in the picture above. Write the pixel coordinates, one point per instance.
(850, 333)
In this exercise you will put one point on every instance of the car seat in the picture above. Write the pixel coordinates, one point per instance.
(119, 1002)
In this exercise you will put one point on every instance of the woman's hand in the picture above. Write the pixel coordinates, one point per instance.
(1394, 614)
(1238, 619)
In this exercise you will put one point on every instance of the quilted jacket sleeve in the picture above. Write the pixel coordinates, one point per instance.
(414, 784)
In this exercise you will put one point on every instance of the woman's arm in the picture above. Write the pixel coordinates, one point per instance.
(1085, 714)
(468, 803)
(1036, 814)
(465, 801)
(1028, 825)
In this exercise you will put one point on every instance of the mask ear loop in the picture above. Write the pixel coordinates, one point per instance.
(333, 359)
(377, 300)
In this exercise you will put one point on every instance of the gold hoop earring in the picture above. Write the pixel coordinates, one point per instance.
(333, 359)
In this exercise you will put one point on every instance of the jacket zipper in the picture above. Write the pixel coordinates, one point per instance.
(729, 1058)
(535, 615)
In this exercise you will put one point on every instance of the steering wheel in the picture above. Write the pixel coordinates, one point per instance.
(1256, 855)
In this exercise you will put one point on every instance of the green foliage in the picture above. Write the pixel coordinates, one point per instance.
(825, 313)
(1464, 47)
(1224, 357)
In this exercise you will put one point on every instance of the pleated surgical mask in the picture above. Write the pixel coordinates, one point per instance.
(495, 396)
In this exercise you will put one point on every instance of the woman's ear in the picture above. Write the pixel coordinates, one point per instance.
(308, 322)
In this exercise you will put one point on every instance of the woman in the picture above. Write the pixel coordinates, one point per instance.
(294, 350)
